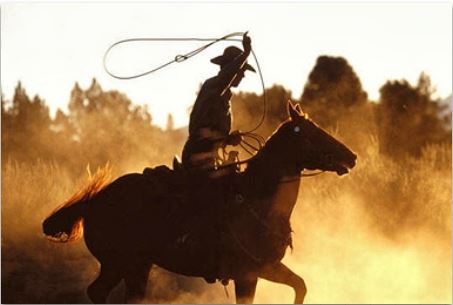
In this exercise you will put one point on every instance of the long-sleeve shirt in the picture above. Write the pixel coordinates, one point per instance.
(210, 119)
(212, 106)
(211, 109)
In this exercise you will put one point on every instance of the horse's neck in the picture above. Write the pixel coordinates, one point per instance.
(285, 197)
(279, 187)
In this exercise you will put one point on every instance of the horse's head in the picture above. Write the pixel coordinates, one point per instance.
(310, 147)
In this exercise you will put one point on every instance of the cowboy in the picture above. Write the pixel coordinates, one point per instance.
(209, 130)
(210, 119)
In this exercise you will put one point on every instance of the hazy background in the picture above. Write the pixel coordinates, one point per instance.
(50, 45)
(381, 234)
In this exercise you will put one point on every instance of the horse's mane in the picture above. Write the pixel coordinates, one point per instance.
(273, 140)
(95, 184)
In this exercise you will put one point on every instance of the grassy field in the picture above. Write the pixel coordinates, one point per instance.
(381, 234)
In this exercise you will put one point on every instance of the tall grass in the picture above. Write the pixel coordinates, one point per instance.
(381, 234)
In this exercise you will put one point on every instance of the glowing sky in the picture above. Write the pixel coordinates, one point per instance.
(50, 46)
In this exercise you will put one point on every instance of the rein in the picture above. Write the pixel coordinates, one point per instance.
(302, 175)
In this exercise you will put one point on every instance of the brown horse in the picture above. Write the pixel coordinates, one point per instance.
(143, 219)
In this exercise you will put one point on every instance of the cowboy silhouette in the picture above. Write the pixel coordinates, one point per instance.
(210, 119)
(209, 130)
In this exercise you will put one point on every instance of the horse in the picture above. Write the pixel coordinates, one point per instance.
(140, 220)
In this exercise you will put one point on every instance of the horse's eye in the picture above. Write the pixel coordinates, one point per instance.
(297, 129)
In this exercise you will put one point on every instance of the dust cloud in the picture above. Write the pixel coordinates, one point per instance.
(381, 234)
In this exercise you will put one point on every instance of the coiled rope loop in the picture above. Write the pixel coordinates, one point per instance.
(183, 57)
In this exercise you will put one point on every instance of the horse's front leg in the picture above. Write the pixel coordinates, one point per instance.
(279, 273)
(245, 289)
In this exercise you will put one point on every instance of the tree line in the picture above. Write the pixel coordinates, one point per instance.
(102, 126)
(406, 118)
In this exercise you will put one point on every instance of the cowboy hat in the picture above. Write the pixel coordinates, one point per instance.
(229, 54)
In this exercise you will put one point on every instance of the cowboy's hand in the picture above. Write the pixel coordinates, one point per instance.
(234, 138)
(246, 43)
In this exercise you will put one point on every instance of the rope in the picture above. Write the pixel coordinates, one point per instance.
(246, 149)
(183, 57)
(178, 58)
(246, 145)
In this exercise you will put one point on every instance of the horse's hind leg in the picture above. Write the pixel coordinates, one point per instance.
(245, 289)
(136, 277)
(109, 277)
(279, 273)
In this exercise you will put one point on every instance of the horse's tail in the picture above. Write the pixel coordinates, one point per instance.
(65, 223)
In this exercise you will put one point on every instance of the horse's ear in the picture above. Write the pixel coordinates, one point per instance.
(299, 109)
(292, 111)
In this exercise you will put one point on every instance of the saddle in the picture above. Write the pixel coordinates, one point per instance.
(178, 178)
(169, 181)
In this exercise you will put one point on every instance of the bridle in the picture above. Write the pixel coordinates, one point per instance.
(246, 145)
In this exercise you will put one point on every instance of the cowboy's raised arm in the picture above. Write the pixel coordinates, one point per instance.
(229, 72)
